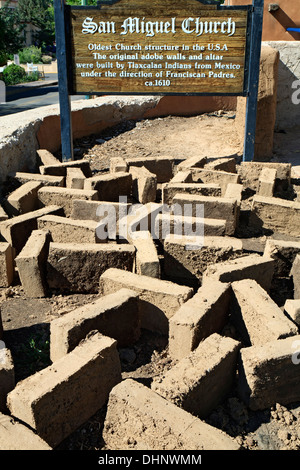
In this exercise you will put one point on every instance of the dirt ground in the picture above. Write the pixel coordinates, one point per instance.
(26, 321)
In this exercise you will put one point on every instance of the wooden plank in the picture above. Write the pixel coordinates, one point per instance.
(63, 88)
(170, 47)
(254, 66)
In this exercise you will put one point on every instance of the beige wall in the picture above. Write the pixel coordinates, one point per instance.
(276, 22)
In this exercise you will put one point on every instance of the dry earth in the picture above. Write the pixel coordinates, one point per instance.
(26, 321)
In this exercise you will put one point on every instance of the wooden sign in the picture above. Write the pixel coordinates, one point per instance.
(169, 47)
(186, 47)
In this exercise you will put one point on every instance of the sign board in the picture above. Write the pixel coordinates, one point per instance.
(186, 47)
(170, 47)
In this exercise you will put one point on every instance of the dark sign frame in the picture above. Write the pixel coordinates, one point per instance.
(251, 69)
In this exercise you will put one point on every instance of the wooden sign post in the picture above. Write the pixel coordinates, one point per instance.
(165, 47)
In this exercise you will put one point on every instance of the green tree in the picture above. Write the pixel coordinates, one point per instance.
(11, 32)
(40, 14)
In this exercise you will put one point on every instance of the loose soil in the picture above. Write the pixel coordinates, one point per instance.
(26, 321)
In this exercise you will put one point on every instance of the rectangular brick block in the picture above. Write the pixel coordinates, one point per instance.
(199, 382)
(16, 436)
(283, 253)
(292, 310)
(24, 199)
(7, 376)
(168, 224)
(250, 172)
(17, 230)
(76, 267)
(75, 178)
(146, 260)
(110, 186)
(162, 166)
(207, 312)
(97, 210)
(6, 264)
(256, 316)
(192, 162)
(138, 418)
(169, 190)
(31, 264)
(63, 197)
(159, 299)
(222, 164)
(266, 182)
(259, 268)
(278, 215)
(214, 208)
(46, 158)
(115, 315)
(144, 185)
(295, 273)
(45, 180)
(183, 176)
(223, 178)
(118, 164)
(66, 230)
(269, 373)
(185, 260)
(60, 169)
(3, 214)
(63, 396)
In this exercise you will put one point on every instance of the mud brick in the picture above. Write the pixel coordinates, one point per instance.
(194, 382)
(292, 310)
(99, 210)
(31, 264)
(117, 164)
(295, 273)
(144, 184)
(3, 215)
(110, 186)
(16, 436)
(141, 217)
(47, 158)
(256, 316)
(266, 182)
(187, 258)
(63, 197)
(7, 376)
(147, 261)
(63, 396)
(234, 190)
(24, 199)
(193, 162)
(284, 253)
(214, 208)
(45, 180)
(183, 176)
(250, 172)
(159, 299)
(75, 178)
(17, 230)
(60, 169)
(6, 264)
(207, 176)
(259, 268)
(169, 190)
(138, 418)
(222, 164)
(268, 373)
(205, 313)
(77, 267)
(162, 166)
(66, 230)
(168, 224)
(278, 215)
(115, 315)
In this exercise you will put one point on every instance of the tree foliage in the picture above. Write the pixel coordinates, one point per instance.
(11, 30)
